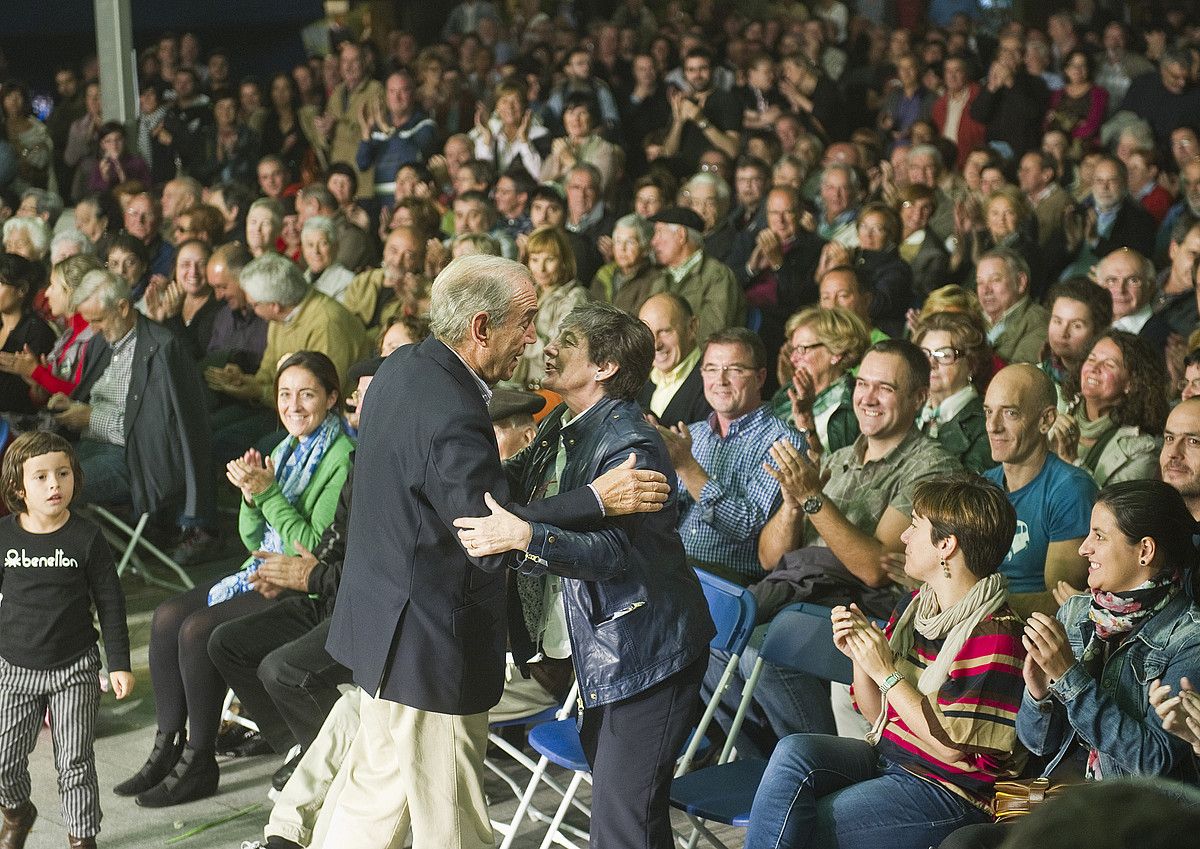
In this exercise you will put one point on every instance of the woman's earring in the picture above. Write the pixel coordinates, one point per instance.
(945, 567)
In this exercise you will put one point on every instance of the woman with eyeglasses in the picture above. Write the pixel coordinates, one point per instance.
(816, 392)
(1116, 426)
(957, 348)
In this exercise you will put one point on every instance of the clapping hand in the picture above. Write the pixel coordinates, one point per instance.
(799, 476)
(21, 363)
(1063, 437)
(279, 572)
(678, 440)
(1049, 653)
(251, 474)
(860, 639)
(1180, 714)
(76, 416)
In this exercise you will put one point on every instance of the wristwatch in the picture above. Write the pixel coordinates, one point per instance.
(702, 124)
(813, 504)
(889, 682)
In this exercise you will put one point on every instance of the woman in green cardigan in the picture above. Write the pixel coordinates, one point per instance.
(823, 346)
(958, 351)
(287, 501)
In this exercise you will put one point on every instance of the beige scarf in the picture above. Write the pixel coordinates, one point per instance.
(953, 626)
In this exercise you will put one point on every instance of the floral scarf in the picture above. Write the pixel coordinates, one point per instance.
(296, 460)
(1116, 616)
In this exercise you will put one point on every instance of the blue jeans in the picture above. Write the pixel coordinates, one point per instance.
(785, 702)
(821, 791)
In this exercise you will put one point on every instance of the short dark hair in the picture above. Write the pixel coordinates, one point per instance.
(1095, 298)
(748, 339)
(615, 336)
(28, 445)
(346, 171)
(319, 366)
(915, 361)
(972, 510)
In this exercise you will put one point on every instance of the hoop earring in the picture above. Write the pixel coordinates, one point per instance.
(945, 567)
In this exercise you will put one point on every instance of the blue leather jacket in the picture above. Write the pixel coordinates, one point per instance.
(635, 611)
(1114, 715)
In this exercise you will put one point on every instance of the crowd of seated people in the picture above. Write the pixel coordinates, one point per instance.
(922, 281)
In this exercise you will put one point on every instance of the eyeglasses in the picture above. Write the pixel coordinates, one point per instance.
(1123, 282)
(710, 168)
(803, 350)
(735, 372)
(942, 356)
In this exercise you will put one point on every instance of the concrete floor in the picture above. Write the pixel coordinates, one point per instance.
(125, 737)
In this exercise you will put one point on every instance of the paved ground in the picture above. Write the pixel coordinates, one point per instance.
(126, 734)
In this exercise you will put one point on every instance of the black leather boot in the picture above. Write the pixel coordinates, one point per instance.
(194, 777)
(167, 749)
(14, 827)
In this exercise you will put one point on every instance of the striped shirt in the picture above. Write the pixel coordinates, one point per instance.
(975, 710)
(723, 526)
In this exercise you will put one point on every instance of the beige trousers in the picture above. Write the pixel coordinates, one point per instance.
(408, 768)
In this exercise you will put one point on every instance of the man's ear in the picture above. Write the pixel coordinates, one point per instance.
(478, 329)
(606, 370)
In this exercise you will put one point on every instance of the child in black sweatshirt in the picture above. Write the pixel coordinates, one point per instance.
(56, 565)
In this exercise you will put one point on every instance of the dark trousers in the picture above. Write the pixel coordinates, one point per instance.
(632, 746)
(276, 663)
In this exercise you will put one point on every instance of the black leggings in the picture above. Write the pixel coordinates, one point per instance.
(187, 687)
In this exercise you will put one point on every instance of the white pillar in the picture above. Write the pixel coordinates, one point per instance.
(118, 60)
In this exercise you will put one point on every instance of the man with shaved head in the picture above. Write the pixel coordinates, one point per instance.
(1053, 499)
(1180, 457)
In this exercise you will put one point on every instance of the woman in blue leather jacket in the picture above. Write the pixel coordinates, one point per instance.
(1089, 672)
(621, 600)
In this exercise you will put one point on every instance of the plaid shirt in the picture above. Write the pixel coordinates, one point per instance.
(723, 526)
(107, 423)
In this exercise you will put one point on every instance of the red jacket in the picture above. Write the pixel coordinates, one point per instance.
(971, 133)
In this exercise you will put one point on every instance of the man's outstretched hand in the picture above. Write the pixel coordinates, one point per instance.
(626, 490)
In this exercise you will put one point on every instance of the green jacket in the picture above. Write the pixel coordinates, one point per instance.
(964, 437)
(843, 424)
(305, 521)
(715, 295)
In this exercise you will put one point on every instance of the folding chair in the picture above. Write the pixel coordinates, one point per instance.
(495, 737)
(129, 540)
(799, 638)
(732, 608)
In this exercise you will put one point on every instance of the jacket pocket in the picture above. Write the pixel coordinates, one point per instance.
(620, 614)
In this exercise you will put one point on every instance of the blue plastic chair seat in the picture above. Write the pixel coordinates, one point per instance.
(546, 715)
(559, 741)
(722, 793)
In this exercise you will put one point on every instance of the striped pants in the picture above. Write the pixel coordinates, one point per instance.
(72, 693)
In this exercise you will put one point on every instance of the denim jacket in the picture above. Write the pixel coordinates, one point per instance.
(1113, 715)
(635, 611)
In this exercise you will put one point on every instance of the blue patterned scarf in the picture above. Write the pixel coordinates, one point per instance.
(296, 460)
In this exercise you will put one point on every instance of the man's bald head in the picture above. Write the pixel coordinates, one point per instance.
(1019, 408)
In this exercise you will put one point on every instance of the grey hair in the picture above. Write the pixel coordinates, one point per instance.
(481, 243)
(590, 169)
(73, 237)
(190, 185)
(1141, 132)
(715, 182)
(39, 233)
(638, 225)
(470, 285)
(47, 202)
(1013, 261)
(851, 174)
(695, 237)
(927, 150)
(271, 205)
(274, 279)
(321, 194)
(325, 225)
(107, 288)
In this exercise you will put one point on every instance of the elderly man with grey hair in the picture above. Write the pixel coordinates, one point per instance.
(319, 244)
(139, 408)
(708, 196)
(69, 242)
(39, 203)
(703, 281)
(421, 624)
(300, 318)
